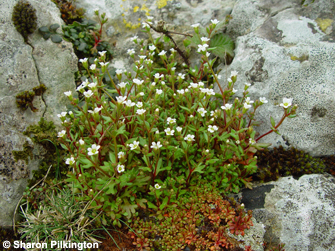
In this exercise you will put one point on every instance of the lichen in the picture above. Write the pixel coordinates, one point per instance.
(26, 153)
(324, 23)
(300, 59)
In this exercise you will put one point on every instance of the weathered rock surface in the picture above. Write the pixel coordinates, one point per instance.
(23, 67)
(299, 213)
(287, 50)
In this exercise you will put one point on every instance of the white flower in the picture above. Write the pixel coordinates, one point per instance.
(195, 25)
(248, 101)
(157, 186)
(122, 85)
(134, 38)
(247, 84)
(156, 145)
(93, 67)
(134, 145)
(171, 121)
(201, 84)
(152, 47)
(168, 131)
(180, 75)
(238, 142)
(120, 168)
(145, 25)
(227, 141)
(287, 102)
(102, 53)
(119, 71)
(263, 100)
(234, 91)
(153, 84)
(68, 94)
(139, 104)
(251, 141)
(81, 142)
(212, 129)
(207, 54)
(157, 110)
(92, 85)
(214, 21)
(202, 47)
(162, 53)
(140, 111)
(61, 134)
(189, 137)
(83, 60)
(210, 92)
(159, 91)
(70, 161)
(141, 94)
(120, 99)
(246, 105)
(142, 57)
(96, 110)
(120, 155)
(233, 73)
(88, 94)
(202, 112)
(215, 113)
(80, 87)
(104, 64)
(130, 51)
(229, 80)
(226, 107)
(172, 50)
(204, 39)
(193, 85)
(181, 91)
(179, 128)
(93, 150)
(62, 114)
(137, 81)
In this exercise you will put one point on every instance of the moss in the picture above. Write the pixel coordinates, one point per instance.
(69, 11)
(25, 99)
(24, 18)
(24, 154)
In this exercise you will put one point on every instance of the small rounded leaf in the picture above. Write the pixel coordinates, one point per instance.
(43, 29)
(54, 27)
(56, 38)
(46, 36)
(82, 46)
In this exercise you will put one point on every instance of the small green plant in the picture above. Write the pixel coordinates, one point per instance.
(162, 134)
(24, 18)
(200, 222)
(69, 11)
(51, 32)
(87, 37)
(25, 99)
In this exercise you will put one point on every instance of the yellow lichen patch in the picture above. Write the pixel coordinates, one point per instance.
(324, 23)
(130, 25)
(300, 59)
(161, 3)
(146, 9)
(136, 8)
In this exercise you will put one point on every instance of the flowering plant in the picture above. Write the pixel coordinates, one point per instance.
(161, 134)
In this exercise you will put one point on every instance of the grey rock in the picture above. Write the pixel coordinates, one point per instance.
(23, 67)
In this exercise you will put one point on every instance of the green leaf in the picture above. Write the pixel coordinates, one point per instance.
(185, 108)
(86, 163)
(82, 46)
(129, 208)
(112, 157)
(186, 42)
(150, 205)
(107, 119)
(54, 27)
(273, 123)
(199, 168)
(164, 203)
(46, 36)
(166, 39)
(43, 29)
(211, 161)
(218, 27)
(224, 45)
(292, 116)
(56, 38)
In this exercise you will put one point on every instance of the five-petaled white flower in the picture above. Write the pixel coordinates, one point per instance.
(129, 103)
(62, 114)
(247, 84)
(93, 67)
(130, 52)
(68, 94)
(88, 93)
(96, 110)
(180, 75)
(81, 142)
(162, 53)
(137, 81)
(234, 90)
(233, 73)
(145, 25)
(194, 85)
(202, 112)
(204, 39)
(159, 91)
(195, 25)
(171, 121)
(168, 131)
(202, 47)
(140, 111)
(70, 161)
(212, 129)
(102, 53)
(287, 102)
(157, 186)
(189, 137)
(139, 104)
(238, 142)
(61, 134)
(118, 71)
(122, 85)
(134, 145)
(246, 105)
(248, 101)
(215, 113)
(214, 21)
(92, 85)
(157, 145)
(120, 99)
(120, 155)
(134, 38)
(251, 141)
(93, 150)
(83, 60)
(179, 129)
(152, 47)
(120, 168)
(226, 107)
(263, 100)
(181, 91)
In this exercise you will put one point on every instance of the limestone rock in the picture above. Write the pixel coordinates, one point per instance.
(299, 213)
(23, 67)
